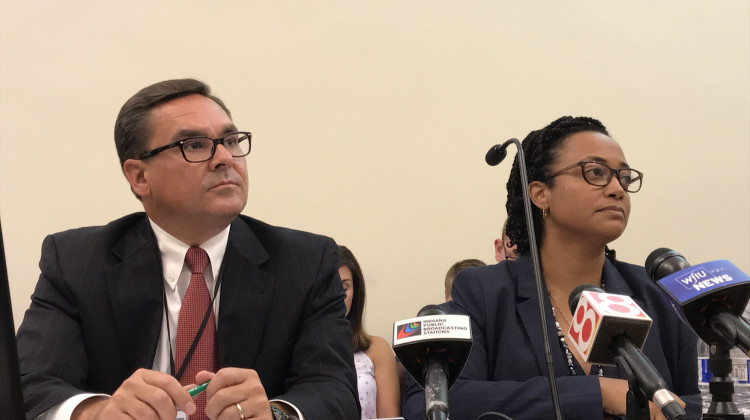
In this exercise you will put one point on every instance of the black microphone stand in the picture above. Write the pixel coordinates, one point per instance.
(500, 151)
(436, 382)
(721, 385)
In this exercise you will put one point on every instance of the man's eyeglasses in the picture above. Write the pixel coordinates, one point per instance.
(599, 174)
(201, 148)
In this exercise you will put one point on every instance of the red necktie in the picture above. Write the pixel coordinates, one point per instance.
(195, 304)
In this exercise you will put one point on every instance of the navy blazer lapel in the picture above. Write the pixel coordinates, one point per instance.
(245, 297)
(528, 311)
(614, 282)
(135, 289)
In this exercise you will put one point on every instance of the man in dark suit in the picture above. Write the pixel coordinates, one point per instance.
(106, 332)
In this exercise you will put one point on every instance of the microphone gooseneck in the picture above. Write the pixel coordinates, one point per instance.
(494, 156)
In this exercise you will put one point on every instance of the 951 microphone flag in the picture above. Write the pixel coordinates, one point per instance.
(599, 318)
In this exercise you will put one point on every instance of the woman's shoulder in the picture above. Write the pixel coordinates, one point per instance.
(379, 349)
(647, 292)
(499, 278)
(503, 269)
(631, 270)
(487, 293)
(637, 278)
(379, 344)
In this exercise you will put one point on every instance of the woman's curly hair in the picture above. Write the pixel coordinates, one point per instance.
(540, 150)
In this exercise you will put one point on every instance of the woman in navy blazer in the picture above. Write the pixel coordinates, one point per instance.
(580, 186)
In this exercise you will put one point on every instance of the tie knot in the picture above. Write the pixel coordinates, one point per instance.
(197, 259)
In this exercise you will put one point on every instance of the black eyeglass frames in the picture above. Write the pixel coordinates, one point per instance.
(201, 148)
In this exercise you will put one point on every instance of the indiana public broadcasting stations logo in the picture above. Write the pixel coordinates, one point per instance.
(409, 330)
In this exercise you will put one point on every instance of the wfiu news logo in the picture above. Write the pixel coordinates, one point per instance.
(410, 329)
(702, 279)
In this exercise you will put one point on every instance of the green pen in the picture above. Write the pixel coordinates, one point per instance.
(198, 389)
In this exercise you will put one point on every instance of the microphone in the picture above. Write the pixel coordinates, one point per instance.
(712, 296)
(493, 157)
(497, 153)
(609, 329)
(663, 262)
(433, 347)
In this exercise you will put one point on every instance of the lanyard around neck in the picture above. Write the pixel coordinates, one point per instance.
(197, 337)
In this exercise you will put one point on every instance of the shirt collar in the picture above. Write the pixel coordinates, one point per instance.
(173, 252)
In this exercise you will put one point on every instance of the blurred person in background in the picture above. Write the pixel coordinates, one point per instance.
(503, 248)
(377, 377)
(454, 270)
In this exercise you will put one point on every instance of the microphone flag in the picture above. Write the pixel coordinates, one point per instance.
(687, 286)
(599, 317)
(415, 339)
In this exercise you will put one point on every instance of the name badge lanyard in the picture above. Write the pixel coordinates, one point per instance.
(197, 337)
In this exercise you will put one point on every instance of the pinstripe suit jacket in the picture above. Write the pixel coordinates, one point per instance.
(96, 314)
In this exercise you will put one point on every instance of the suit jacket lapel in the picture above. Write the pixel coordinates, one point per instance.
(528, 311)
(245, 298)
(136, 293)
(615, 283)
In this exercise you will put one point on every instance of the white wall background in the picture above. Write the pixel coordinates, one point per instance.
(371, 118)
